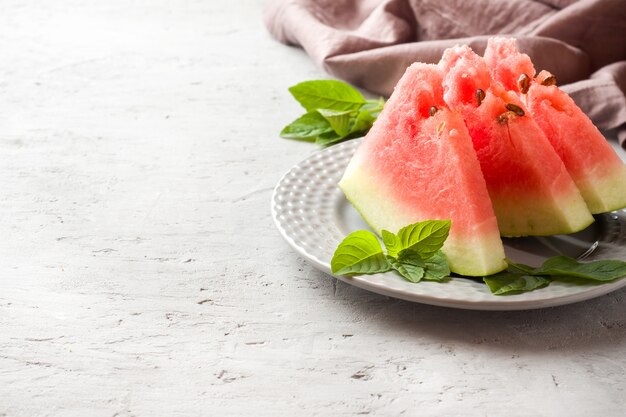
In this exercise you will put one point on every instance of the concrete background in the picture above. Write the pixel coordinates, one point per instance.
(141, 273)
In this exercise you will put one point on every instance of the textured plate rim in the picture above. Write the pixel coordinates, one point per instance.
(365, 282)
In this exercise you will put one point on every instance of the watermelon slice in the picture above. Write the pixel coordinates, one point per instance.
(590, 160)
(417, 163)
(530, 189)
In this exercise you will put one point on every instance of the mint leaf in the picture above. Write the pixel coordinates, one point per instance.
(519, 268)
(411, 272)
(374, 107)
(363, 122)
(425, 238)
(339, 120)
(392, 243)
(508, 283)
(307, 127)
(563, 266)
(327, 94)
(520, 278)
(437, 268)
(336, 111)
(411, 257)
(359, 253)
(345, 126)
(328, 138)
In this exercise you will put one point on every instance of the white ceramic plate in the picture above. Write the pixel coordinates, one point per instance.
(312, 214)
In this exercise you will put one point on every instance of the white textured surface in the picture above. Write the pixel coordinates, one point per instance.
(141, 274)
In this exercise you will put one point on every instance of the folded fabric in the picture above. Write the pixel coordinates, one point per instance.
(370, 43)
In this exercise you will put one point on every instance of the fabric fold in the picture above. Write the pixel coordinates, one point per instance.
(369, 43)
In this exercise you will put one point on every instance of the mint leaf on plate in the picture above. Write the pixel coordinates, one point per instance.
(359, 253)
(409, 271)
(415, 253)
(519, 268)
(425, 238)
(563, 266)
(508, 283)
(435, 267)
(521, 278)
(392, 243)
(327, 94)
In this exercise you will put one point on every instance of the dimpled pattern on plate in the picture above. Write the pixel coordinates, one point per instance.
(311, 213)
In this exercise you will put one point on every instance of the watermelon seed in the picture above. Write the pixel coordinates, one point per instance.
(504, 117)
(480, 96)
(550, 80)
(515, 109)
(441, 126)
(523, 82)
(433, 110)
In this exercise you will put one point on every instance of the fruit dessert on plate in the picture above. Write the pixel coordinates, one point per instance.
(473, 141)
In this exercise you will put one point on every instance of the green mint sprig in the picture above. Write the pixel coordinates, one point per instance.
(414, 252)
(335, 111)
(519, 278)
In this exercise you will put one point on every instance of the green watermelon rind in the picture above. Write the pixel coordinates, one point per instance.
(465, 258)
(601, 184)
(605, 194)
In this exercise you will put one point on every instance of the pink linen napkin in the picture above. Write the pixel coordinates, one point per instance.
(369, 43)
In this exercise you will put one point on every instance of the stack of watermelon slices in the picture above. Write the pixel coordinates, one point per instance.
(597, 170)
(472, 140)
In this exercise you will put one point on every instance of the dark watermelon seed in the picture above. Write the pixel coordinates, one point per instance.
(523, 82)
(515, 109)
(480, 96)
(505, 117)
(433, 110)
(550, 80)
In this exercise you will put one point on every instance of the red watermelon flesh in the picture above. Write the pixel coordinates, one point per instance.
(412, 166)
(530, 189)
(506, 64)
(590, 160)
